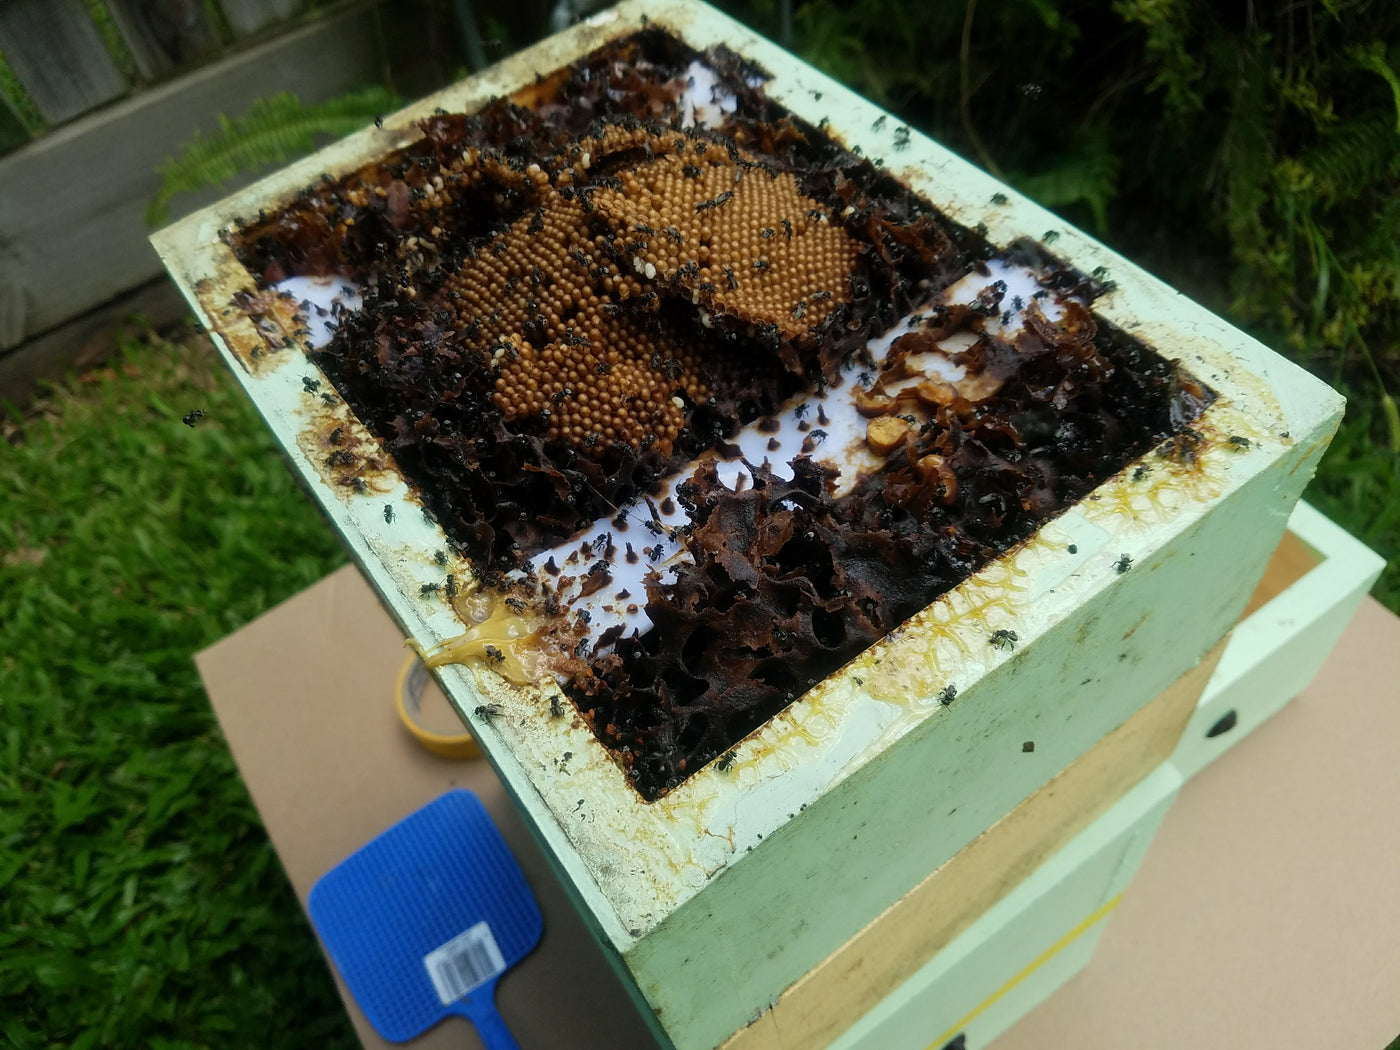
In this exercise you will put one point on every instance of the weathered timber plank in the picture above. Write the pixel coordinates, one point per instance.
(88, 340)
(58, 55)
(246, 17)
(11, 296)
(162, 34)
(72, 203)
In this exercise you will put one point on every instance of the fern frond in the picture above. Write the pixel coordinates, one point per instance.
(1353, 156)
(274, 130)
(1372, 57)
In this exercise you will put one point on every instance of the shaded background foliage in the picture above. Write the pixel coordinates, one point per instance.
(1249, 153)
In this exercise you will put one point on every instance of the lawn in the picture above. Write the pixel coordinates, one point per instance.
(140, 901)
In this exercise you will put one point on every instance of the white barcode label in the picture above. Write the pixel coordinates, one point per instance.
(464, 962)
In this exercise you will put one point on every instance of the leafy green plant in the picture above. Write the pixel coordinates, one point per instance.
(12, 93)
(273, 130)
(1085, 174)
(1358, 484)
(111, 36)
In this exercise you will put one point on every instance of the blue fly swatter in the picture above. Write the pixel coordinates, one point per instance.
(422, 921)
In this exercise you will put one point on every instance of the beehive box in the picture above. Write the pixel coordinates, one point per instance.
(724, 890)
(939, 918)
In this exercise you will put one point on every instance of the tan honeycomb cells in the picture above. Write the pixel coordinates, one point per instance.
(739, 238)
(597, 396)
(561, 299)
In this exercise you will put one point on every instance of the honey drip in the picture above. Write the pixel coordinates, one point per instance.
(504, 641)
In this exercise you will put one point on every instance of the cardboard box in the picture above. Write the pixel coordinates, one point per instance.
(867, 783)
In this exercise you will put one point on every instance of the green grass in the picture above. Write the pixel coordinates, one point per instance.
(111, 36)
(140, 902)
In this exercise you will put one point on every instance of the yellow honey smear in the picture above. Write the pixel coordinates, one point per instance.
(997, 587)
(1190, 468)
(681, 805)
(906, 667)
(502, 640)
(811, 727)
(778, 747)
(1149, 501)
(905, 673)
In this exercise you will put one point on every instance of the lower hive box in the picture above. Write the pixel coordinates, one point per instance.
(781, 500)
(1027, 945)
(1313, 585)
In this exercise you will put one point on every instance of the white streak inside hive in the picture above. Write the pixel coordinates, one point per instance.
(324, 300)
(843, 447)
(701, 102)
(650, 522)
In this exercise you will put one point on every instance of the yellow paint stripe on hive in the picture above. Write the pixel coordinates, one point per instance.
(1030, 968)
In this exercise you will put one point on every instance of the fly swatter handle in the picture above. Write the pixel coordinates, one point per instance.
(480, 1009)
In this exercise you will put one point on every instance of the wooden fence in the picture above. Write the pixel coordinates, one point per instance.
(68, 57)
(94, 95)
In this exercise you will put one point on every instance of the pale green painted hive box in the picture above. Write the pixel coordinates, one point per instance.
(733, 883)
